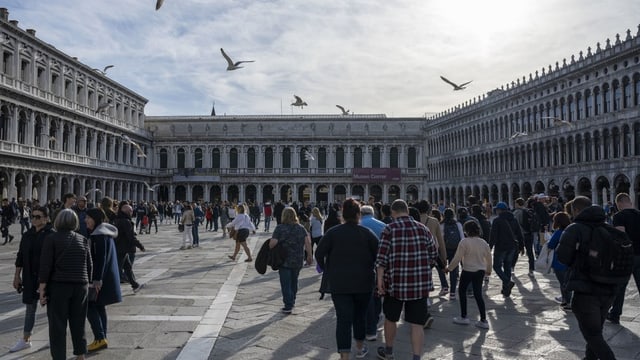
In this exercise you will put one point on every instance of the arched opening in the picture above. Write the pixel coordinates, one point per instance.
(621, 184)
(603, 190)
(504, 193)
(412, 193)
(215, 194)
(568, 190)
(339, 194)
(584, 187)
(376, 192)
(180, 193)
(322, 194)
(251, 193)
(553, 189)
(233, 194)
(394, 193)
(515, 191)
(197, 193)
(304, 194)
(538, 188)
(285, 194)
(357, 192)
(267, 193)
(494, 196)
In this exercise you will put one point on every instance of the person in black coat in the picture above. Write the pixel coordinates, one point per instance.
(350, 249)
(277, 211)
(106, 276)
(126, 243)
(27, 268)
(65, 265)
(506, 238)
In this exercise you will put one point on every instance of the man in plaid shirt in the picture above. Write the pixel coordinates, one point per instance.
(407, 251)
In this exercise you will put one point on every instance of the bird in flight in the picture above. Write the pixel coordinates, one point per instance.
(52, 139)
(344, 112)
(96, 190)
(159, 4)
(308, 156)
(299, 102)
(456, 87)
(518, 134)
(104, 71)
(558, 121)
(149, 187)
(103, 106)
(134, 144)
(230, 64)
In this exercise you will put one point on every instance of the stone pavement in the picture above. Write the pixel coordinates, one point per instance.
(198, 304)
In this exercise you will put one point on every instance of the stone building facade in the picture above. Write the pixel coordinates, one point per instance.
(569, 129)
(52, 138)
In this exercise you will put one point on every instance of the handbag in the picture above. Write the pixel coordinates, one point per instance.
(93, 294)
(544, 260)
(180, 227)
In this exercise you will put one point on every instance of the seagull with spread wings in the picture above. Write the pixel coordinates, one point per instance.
(308, 156)
(456, 87)
(344, 112)
(518, 134)
(149, 187)
(159, 4)
(94, 190)
(298, 102)
(103, 106)
(134, 144)
(104, 71)
(52, 139)
(558, 121)
(233, 65)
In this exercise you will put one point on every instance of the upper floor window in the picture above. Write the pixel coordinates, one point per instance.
(233, 158)
(198, 158)
(375, 157)
(251, 158)
(286, 158)
(412, 158)
(340, 158)
(393, 158)
(357, 158)
(322, 158)
(182, 156)
(268, 158)
(215, 159)
(164, 159)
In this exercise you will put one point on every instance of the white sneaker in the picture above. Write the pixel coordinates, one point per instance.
(20, 345)
(461, 321)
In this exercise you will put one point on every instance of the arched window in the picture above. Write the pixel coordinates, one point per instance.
(78, 140)
(233, 158)
(181, 158)
(375, 157)
(268, 159)
(215, 159)
(393, 158)
(251, 158)
(98, 146)
(598, 108)
(340, 159)
(627, 90)
(286, 158)
(198, 158)
(22, 128)
(606, 97)
(588, 100)
(579, 104)
(412, 158)
(164, 159)
(322, 159)
(636, 86)
(617, 96)
(357, 158)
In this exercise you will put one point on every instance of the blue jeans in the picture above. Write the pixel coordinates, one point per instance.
(289, 286)
(194, 232)
(618, 302)
(453, 275)
(97, 316)
(563, 277)
(30, 318)
(351, 311)
(267, 223)
(502, 265)
(373, 314)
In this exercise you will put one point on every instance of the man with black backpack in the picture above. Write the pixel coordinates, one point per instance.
(598, 256)
(627, 219)
(525, 217)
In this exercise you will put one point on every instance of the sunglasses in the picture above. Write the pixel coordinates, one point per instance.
(37, 217)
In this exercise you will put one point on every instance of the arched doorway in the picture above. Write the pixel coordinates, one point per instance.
(527, 191)
(553, 189)
(584, 187)
(233, 194)
(197, 193)
(215, 194)
(603, 190)
(267, 193)
(339, 194)
(35, 188)
(251, 193)
(494, 194)
(621, 184)
(412, 193)
(504, 193)
(376, 192)
(21, 184)
(304, 194)
(285, 194)
(162, 193)
(322, 195)
(568, 190)
(394, 193)
(357, 192)
(515, 191)
(180, 193)
(538, 187)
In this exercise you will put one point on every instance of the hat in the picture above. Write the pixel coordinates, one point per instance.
(502, 206)
(539, 196)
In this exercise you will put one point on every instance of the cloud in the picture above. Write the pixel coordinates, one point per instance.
(370, 56)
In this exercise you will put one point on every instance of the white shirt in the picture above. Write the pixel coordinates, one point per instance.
(242, 221)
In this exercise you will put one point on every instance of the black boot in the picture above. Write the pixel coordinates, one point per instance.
(10, 238)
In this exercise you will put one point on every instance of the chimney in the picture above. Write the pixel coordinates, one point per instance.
(14, 22)
(4, 14)
(31, 32)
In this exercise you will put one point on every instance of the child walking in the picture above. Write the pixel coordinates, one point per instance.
(475, 255)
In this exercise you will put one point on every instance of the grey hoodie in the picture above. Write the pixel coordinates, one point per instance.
(106, 229)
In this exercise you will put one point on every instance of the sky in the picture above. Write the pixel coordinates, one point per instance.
(370, 56)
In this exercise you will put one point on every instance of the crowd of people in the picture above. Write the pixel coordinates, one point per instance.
(74, 254)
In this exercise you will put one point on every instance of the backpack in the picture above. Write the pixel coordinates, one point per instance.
(608, 255)
(451, 235)
(528, 220)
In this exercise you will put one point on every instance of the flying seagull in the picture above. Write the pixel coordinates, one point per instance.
(96, 190)
(134, 144)
(104, 71)
(149, 187)
(103, 106)
(308, 156)
(344, 112)
(231, 65)
(299, 102)
(51, 138)
(159, 4)
(455, 86)
(518, 134)
(558, 121)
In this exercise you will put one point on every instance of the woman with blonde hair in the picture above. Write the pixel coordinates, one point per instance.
(241, 225)
(316, 227)
(295, 240)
